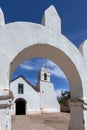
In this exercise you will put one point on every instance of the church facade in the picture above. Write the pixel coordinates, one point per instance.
(32, 100)
(20, 41)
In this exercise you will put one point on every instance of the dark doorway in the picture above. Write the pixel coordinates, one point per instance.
(20, 107)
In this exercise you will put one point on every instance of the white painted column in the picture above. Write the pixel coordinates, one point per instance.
(76, 115)
(5, 110)
(5, 118)
(85, 113)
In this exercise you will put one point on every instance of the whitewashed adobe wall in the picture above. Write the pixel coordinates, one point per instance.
(29, 95)
(48, 98)
(39, 99)
(45, 41)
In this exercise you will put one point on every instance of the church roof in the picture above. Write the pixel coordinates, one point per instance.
(21, 76)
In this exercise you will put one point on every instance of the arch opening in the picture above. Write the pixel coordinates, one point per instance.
(59, 58)
(45, 76)
(20, 107)
(32, 74)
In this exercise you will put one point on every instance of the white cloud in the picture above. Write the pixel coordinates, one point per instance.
(33, 64)
(58, 73)
(36, 63)
(55, 70)
(58, 91)
(27, 67)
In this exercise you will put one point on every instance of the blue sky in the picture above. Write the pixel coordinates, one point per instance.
(31, 67)
(73, 14)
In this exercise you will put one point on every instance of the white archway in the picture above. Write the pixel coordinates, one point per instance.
(23, 40)
(59, 58)
(20, 106)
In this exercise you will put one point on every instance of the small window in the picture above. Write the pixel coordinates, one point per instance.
(42, 91)
(20, 88)
(45, 76)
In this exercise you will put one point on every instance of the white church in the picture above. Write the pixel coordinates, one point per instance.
(41, 40)
(34, 100)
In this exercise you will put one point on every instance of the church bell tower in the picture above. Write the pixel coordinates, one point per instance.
(44, 75)
(48, 101)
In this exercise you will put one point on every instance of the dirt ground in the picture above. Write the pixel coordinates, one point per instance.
(58, 121)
